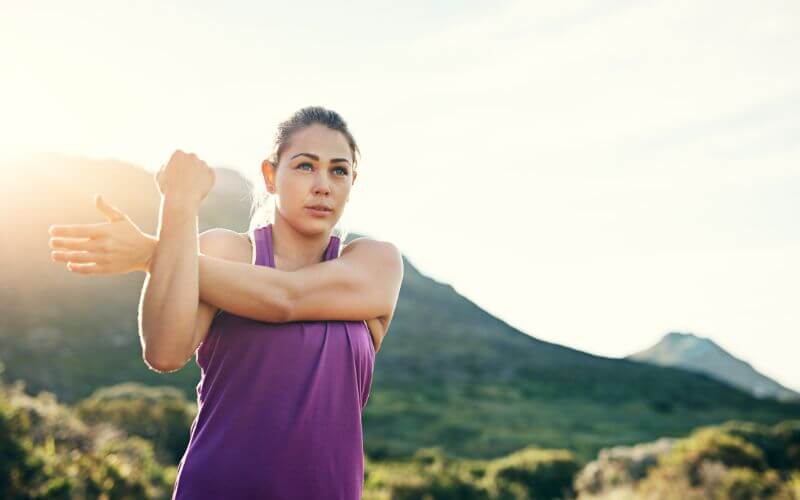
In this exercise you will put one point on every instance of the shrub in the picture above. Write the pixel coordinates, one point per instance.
(532, 473)
(620, 466)
(436, 487)
(160, 414)
(49, 453)
(745, 484)
(712, 444)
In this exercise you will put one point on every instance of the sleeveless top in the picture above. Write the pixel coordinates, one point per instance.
(279, 406)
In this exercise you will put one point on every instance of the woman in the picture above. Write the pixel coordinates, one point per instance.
(285, 325)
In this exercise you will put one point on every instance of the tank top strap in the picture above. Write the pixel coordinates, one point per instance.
(263, 246)
(333, 248)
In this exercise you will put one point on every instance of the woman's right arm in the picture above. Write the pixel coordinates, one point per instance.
(218, 243)
(169, 302)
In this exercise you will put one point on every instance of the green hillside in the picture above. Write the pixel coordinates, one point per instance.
(448, 374)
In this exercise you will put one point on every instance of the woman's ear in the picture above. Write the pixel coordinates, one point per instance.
(268, 172)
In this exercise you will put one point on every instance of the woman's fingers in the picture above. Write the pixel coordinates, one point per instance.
(62, 256)
(92, 268)
(79, 230)
(75, 244)
(111, 212)
(84, 262)
(377, 332)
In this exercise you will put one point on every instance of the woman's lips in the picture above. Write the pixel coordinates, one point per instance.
(318, 213)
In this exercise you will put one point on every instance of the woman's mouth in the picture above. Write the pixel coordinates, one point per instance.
(319, 212)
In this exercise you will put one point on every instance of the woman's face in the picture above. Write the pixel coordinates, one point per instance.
(315, 169)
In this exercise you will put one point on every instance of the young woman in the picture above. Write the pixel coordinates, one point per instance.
(284, 322)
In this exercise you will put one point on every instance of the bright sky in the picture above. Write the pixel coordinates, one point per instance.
(596, 174)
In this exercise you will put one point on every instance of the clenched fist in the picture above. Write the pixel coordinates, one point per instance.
(185, 176)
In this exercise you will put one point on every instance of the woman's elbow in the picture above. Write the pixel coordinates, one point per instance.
(162, 365)
(276, 307)
(280, 313)
(161, 361)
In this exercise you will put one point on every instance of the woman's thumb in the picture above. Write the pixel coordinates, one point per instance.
(111, 212)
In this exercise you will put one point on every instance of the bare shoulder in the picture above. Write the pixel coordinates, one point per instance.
(381, 251)
(385, 265)
(226, 244)
(376, 253)
(371, 245)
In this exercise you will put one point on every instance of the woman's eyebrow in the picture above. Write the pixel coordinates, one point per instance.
(315, 157)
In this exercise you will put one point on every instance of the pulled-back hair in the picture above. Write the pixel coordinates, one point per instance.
(262, 209)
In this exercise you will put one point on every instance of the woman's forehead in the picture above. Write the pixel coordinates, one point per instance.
(320, 141)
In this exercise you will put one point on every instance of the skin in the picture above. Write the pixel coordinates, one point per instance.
(189, 278)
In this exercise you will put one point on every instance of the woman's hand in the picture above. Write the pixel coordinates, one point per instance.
(377, 330)
(186, 177)
(114, 247)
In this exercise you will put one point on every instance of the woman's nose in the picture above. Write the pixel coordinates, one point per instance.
(321, 185)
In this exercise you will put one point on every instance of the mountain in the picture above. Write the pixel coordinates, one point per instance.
(701, 354)
(448, 374)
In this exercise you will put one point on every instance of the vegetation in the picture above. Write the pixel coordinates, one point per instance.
(735, 460)
(53, 451)
(161, 415)
(431, 473)
(47, 452)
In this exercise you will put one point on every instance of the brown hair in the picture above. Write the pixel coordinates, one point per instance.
(304, 118)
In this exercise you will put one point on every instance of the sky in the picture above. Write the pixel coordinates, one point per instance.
(596, 174)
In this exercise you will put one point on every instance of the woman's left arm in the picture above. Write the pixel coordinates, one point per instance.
(361, 284)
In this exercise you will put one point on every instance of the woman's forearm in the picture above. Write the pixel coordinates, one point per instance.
(260, 294)
(233, 286)
(169, 301)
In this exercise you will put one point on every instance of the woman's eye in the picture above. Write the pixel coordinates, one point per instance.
(306, 164)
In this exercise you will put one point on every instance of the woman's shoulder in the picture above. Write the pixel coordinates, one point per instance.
(383, 253)
(370, 244)
(226, 244)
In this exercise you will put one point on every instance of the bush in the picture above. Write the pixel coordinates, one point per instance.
(436, 487)
(745, 484)
(780, 443)
(532, 473)
(49, 453)
(792, 488)
(160, 414)
(736, 460)
(788, 435)
(620, 467)
(712, 444)
(17, 467)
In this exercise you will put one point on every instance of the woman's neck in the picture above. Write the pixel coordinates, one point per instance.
(295, 250)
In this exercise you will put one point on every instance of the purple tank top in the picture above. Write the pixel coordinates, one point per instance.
(279, 406)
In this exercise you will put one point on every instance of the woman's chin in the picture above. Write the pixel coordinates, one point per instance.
(318, 224)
